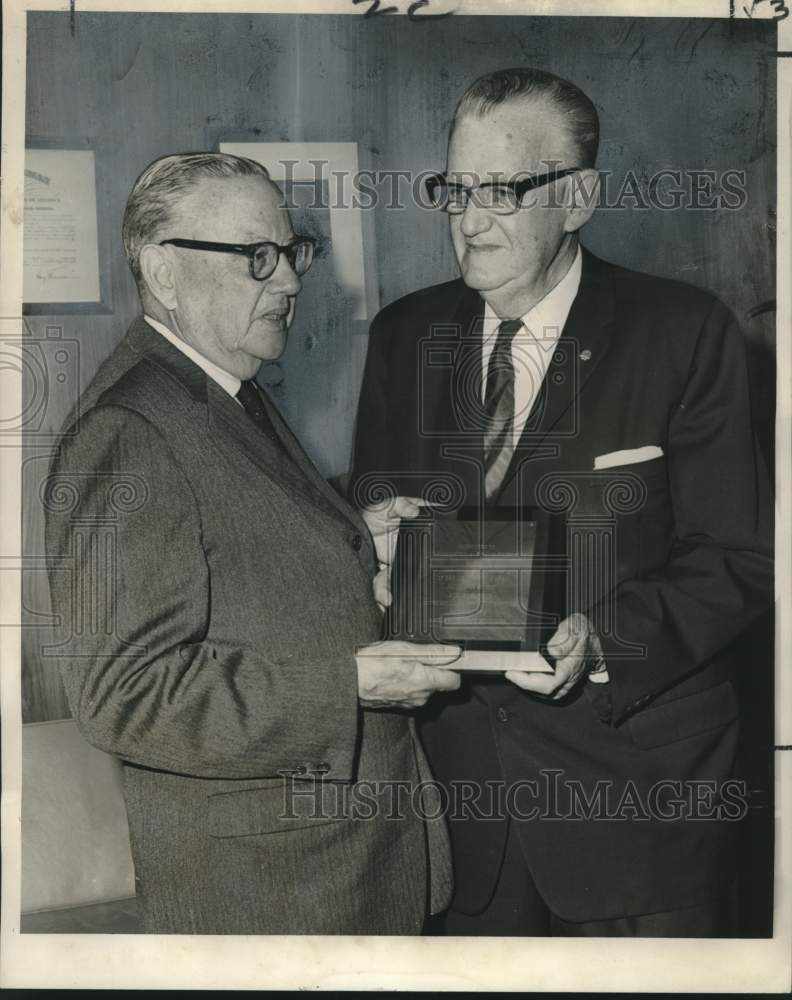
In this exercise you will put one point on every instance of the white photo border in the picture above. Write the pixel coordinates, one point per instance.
(531, 964)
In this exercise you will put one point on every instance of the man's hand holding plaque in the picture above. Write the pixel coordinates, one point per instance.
(456, 578)
(575, 647)
(383, 522)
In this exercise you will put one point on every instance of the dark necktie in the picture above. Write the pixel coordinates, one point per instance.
(249, 395)
(499, 409)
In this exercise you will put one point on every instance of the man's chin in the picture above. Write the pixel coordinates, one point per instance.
(267, 338)
(480, 278)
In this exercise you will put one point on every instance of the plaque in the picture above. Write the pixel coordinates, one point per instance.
(473, 578)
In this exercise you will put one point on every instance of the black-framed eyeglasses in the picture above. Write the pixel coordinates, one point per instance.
(262, 257)
(501, 197)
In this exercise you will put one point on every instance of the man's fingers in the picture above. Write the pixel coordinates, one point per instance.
(382, 590)
(568, 634)
(565, 688)
(559, 648)
(438, 661)
(394, 507)
(392, 673)
(528, 680)
(443, 680)
(575, 643)
(563, 641)
(436, 655)
(383, 518)
(396, 648)
(406, 507)
(544, 684)
(565, 676)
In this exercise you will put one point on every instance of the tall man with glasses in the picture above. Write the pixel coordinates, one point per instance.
(218, 631)
(593, 800)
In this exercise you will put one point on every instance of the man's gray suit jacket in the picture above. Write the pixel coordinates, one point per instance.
(212, 590)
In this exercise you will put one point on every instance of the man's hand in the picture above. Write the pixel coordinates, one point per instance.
(382, 521)
(398, 674)
(575, 646)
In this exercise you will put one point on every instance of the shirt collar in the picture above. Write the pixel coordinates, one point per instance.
(223, 378)
(550, 313)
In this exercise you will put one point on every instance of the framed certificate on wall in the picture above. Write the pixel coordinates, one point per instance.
(65, 264)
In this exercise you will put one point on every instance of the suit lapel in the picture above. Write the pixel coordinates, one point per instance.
(465, 383)
(460, 417)
(227, 419)
(322, 491)
(580, 350)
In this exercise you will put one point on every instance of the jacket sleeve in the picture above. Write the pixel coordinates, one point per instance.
(719, 576)
(131, 587)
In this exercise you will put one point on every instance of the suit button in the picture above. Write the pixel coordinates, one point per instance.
(503, 715)
(357, 542)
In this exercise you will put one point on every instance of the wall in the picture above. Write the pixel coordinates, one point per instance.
(680, 94)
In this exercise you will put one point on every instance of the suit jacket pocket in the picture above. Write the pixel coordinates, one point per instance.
(280, 808)
(685, 717)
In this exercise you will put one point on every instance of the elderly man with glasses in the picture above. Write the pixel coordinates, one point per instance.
(594, 799)
(218, 627)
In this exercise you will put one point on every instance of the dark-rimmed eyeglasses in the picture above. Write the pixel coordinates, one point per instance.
(501, 197)
(262, 257)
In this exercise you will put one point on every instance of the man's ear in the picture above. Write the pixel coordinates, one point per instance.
(584, 198)
(158, 274)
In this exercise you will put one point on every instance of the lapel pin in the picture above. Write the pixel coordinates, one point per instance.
(585, 355)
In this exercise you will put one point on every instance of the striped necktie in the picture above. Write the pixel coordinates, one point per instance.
(499, 409)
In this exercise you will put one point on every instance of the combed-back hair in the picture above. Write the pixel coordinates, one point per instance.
(577, 113)
(156, 193)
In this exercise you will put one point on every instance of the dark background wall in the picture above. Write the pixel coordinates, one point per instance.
(671, 93)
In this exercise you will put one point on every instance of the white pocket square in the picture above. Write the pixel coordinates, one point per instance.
(630, 456)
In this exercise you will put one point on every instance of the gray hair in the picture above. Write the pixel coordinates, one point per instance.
(151, 206)
(577, 113)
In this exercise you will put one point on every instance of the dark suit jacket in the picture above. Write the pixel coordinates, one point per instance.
(212, 590)
(671, 558)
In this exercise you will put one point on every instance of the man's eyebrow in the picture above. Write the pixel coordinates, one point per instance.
(250, 239)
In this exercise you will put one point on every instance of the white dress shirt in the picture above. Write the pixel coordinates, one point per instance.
(533, 345)
(223, 378)
(532, 351)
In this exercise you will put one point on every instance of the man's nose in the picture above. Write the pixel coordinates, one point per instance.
(474, 220)
(284, 280)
